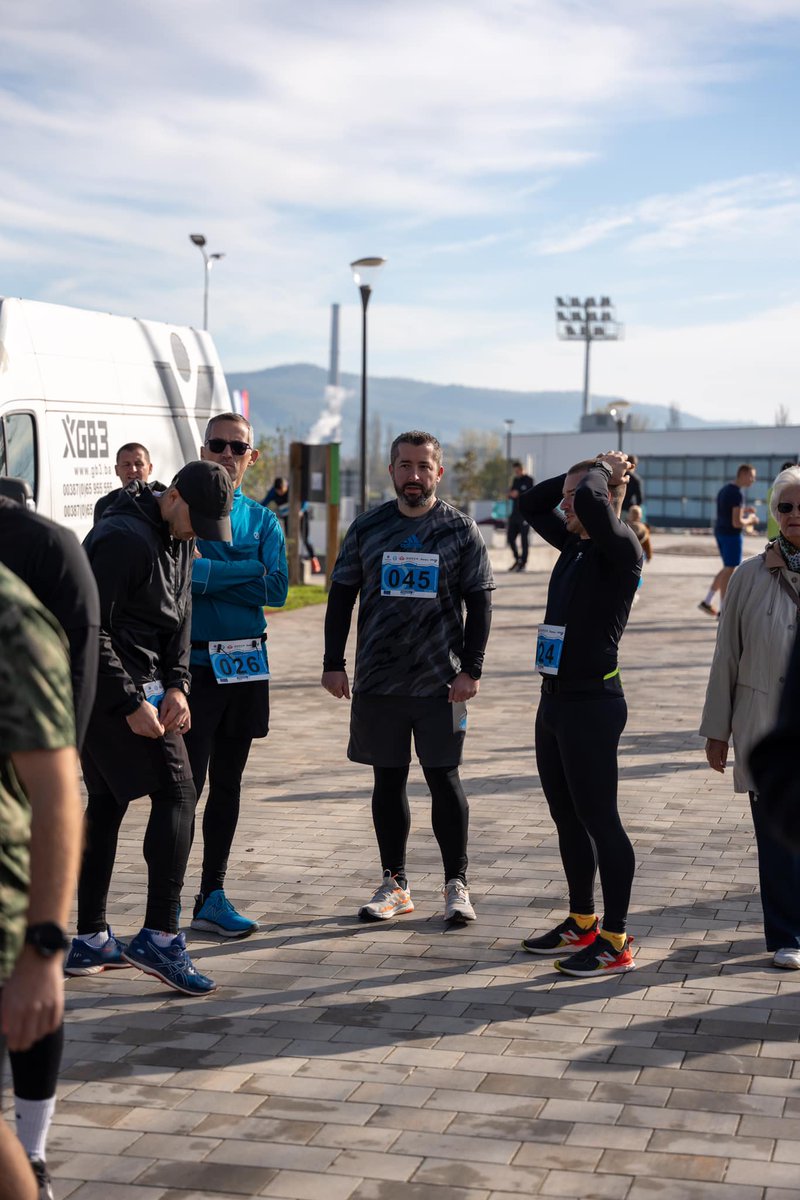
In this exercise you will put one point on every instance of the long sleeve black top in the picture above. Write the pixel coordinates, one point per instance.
(594, 581)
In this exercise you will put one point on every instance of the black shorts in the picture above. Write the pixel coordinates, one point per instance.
(235, 710)
(381, 729)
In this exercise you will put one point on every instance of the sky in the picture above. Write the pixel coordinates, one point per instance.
(496, 153)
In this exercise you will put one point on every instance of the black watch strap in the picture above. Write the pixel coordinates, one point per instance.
(46, 938)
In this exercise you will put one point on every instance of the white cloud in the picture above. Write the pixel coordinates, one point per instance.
(761, 207)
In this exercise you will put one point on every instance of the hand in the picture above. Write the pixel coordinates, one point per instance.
(336, 683)
(717, 754)
(618, 464)
(513, 494)
(32, 1003)
(196, 553)
(174, 712)
(463, 687)
(144, 722)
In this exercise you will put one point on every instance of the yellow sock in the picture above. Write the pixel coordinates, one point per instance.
(617, 939)
(583, 921)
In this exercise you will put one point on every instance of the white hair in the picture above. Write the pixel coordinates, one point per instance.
(783, 480)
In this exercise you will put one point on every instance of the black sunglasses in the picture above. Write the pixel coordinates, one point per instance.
(217, 446)
(785, 507)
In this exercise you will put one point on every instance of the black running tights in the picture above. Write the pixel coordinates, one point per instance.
(449, 817)
(225, 761)
(576, 752)
(167, 842)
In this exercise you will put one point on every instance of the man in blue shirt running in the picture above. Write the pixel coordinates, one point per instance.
(231, 583)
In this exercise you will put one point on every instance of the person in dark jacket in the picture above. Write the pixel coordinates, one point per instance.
(141, 555)
(517, 525)
(132, 464)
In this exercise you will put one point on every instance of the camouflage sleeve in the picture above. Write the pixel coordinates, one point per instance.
(36, 709)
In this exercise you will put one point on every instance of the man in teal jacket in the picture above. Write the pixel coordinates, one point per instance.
(231, 583)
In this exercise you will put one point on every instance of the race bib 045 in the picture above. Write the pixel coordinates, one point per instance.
(242, 661)
(407, 574)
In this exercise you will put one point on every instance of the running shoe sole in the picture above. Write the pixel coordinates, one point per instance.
(212, 927)
(96, 970)
(148, 970)
(365, 915)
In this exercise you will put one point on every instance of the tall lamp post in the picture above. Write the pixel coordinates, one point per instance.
(208, 261)
(618, 418)
(586, 321)
(508, 422)
(364, 273)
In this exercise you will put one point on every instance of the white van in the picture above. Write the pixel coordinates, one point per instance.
(76, 385)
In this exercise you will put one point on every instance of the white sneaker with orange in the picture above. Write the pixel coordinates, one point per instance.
(389, 900)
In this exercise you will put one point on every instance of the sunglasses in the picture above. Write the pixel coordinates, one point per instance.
(217, 446)
(785, 507)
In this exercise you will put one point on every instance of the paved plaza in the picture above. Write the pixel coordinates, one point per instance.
(403, 1061)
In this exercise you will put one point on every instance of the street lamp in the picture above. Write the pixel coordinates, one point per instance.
(364, 272)
(208, 261)
(617, 414)
(586, 321)
(508, 422)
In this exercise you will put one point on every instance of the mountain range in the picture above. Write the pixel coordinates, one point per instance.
(291, 398)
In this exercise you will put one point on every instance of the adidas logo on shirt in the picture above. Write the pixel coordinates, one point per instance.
(411, 543)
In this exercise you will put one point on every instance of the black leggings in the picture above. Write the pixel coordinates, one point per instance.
(576, 751)
(391, 816)
(35, 1070)
(224, 761)
(167, 842)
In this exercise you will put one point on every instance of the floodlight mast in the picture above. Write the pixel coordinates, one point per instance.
(586, 321)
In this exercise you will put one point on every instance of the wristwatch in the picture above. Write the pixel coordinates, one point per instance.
(181, 685)
(47, 939)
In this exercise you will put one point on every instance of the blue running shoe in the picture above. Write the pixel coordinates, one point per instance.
(84, 959)
(216, 913)
(171, 964)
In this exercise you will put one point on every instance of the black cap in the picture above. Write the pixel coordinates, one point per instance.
(207, 489)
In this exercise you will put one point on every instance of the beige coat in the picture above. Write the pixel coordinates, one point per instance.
(754, 641)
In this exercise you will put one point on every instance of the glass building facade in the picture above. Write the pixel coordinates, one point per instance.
(682, 490)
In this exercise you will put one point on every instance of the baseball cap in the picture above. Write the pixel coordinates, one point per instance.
(207, 489)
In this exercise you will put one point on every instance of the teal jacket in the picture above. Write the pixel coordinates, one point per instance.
(231, 582)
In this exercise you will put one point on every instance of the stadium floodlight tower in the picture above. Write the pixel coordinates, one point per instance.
(586, 321)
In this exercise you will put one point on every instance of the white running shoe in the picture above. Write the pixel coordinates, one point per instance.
(789, 957)
(456, 902)
(389, 901)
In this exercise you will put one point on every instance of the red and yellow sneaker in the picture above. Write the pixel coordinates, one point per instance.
(566, 936)
(601, 958)
(389, 900)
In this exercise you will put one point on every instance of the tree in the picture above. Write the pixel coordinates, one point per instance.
(465, 481)
(782, 415)
(273, 460)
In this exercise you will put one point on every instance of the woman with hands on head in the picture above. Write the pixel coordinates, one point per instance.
(754, 642)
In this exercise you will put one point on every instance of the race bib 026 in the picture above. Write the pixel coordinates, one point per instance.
(549, 644)
(407, 574)
(242, 661)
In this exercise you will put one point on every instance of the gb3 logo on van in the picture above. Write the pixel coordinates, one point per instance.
(86, 438)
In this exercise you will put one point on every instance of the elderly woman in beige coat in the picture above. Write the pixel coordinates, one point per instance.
(754, 641)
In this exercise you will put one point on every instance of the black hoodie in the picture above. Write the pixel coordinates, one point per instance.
(144, 579)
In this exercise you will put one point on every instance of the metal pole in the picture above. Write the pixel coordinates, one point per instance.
(365, 291)
(206, 268)
(586, 374)
(620, 427)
